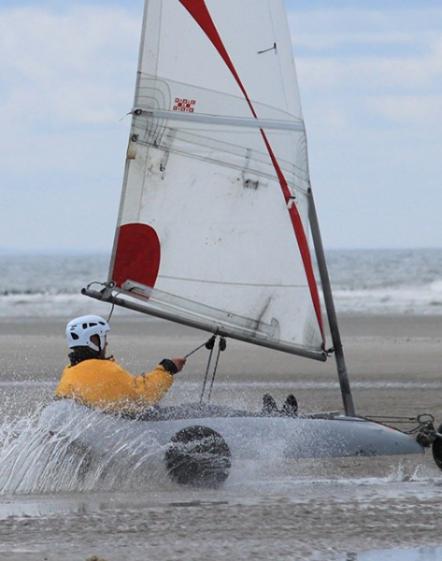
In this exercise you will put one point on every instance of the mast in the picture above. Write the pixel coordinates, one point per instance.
(344, 381)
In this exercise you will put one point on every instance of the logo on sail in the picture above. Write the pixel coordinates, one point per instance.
(183, 104)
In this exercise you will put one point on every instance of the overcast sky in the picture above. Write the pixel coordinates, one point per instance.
(370, 75)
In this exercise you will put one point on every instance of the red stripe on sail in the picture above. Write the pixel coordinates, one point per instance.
(300, 236)
(137, 257)
(199, 11)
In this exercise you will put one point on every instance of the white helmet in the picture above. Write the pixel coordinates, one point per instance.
(80, 330)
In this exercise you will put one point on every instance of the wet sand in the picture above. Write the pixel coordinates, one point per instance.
(395, 364)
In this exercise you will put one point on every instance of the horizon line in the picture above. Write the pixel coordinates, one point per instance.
(6, 251)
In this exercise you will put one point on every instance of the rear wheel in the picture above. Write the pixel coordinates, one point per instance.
(437, 449)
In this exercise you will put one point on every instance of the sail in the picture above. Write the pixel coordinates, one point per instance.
(213, 219)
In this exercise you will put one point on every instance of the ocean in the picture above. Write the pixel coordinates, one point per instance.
(405, 281)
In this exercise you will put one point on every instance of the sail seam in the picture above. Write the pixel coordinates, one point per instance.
(206, 281)
(225, 120)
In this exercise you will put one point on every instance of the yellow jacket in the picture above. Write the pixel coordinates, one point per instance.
(105, 384)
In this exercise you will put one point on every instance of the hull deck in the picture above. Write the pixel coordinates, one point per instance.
(248, 435)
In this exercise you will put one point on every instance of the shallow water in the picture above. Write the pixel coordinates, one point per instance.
(266, 519)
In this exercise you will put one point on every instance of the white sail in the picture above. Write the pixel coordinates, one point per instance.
(213, 219)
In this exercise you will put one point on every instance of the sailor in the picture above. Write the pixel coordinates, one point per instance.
(99, 381)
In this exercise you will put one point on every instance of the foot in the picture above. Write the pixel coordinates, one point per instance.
(290, 407)
(268, 405)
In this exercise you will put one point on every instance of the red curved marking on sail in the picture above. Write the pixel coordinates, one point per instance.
(137, 256)
(199, 11)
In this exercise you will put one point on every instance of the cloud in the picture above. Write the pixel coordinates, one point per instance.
(369, 66)
(410, 110)
(70, 68)
(313, 42)
(391, 47)
(371, 73)
(392, 18)
(67, 79)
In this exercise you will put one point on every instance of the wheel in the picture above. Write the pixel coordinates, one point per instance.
(437, 449)
(198, 456)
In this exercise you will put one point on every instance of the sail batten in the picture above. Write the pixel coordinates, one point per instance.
(214, 210)
(238, 283)
(223, 120)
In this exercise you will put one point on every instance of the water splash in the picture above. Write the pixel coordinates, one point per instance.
(65, 447)
(34, 458)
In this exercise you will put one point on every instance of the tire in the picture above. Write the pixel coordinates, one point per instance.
(198, 456)
(437, 449)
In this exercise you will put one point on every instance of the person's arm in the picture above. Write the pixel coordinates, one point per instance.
(152, 386)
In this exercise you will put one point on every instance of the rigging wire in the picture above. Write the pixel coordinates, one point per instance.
(222, 344)
(210, 345)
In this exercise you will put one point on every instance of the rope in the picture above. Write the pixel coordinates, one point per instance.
(111, 312)
(208, 344)
(424, 421)
(105, 285)
(221, 347)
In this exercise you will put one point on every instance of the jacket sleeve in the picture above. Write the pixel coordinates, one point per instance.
(152, 386)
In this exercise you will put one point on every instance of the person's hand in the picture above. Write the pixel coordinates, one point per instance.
(179, 363)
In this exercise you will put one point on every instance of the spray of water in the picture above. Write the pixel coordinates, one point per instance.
(35, 458)
(65, 447)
